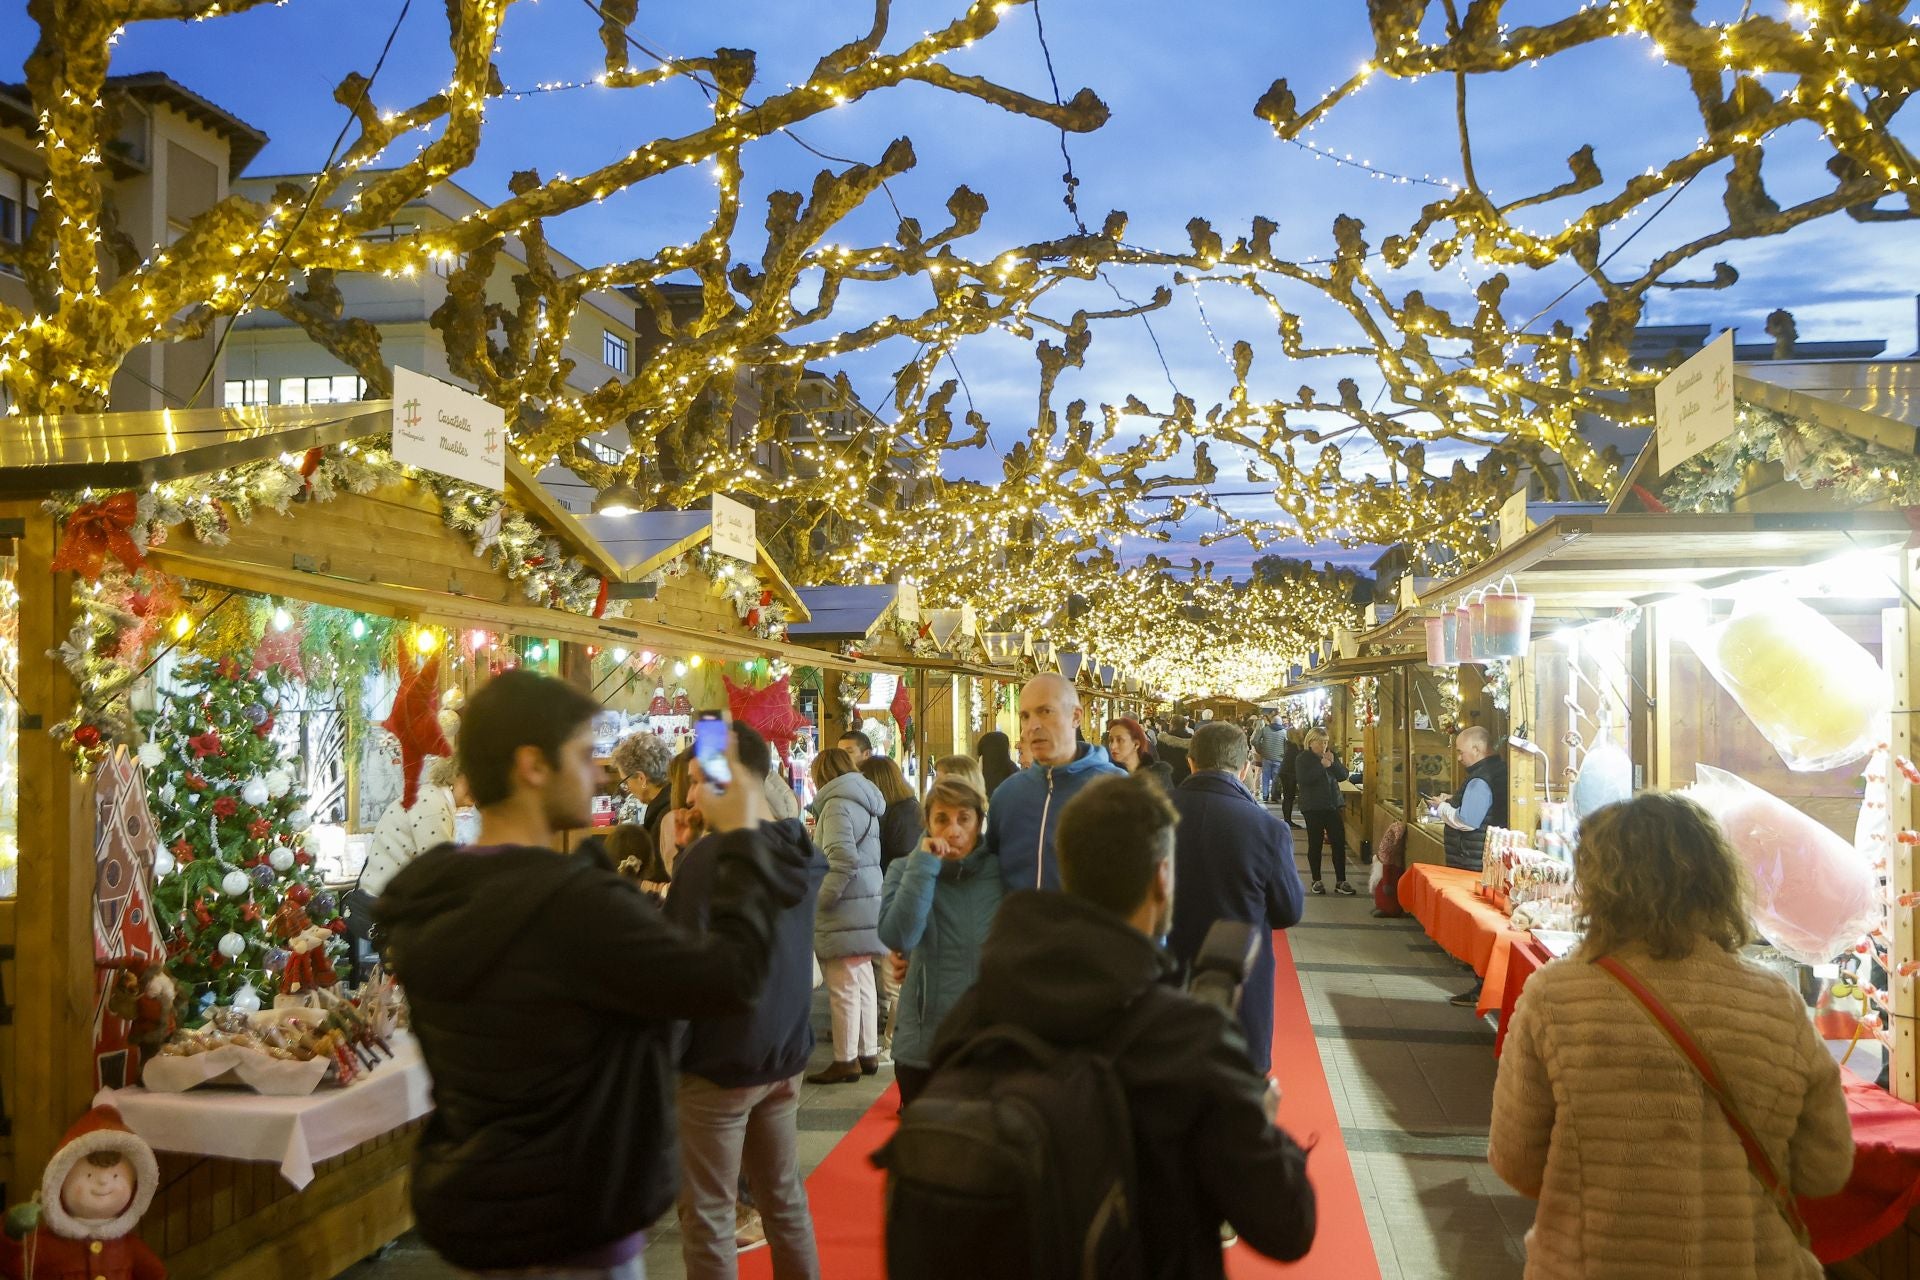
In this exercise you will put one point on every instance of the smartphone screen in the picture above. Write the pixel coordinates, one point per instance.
(710, 748)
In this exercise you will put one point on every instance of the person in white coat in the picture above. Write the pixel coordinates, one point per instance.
(403, 834)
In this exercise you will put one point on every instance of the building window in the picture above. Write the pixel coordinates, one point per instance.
(245, 391)
(331, 390)
(444, 265)
(613, 350)
(13, 205)
(389, 233)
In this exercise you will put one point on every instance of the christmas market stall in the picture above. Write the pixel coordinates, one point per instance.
(233, 638)
(957, 697)
(872, 631)
(1012, 653)
(1763, 660)
(719, 612)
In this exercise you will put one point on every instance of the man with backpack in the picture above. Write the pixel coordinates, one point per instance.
(1082, 1116)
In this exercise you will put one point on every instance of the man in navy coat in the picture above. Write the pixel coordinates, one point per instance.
(1232, 861)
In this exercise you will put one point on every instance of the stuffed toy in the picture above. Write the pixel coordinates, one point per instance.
(92, 1195)
(144, 995)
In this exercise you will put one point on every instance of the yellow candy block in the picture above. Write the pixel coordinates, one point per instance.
(1809, 687)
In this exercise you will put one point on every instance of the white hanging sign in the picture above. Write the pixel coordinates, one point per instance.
(1693, 405)
(733, 530)
(441, 428)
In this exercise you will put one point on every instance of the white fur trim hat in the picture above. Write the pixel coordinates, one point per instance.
(101, 1129)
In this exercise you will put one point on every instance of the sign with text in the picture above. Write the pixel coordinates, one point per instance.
(733, 530)
(1693, 405)
(442, 428)
(1513, 519)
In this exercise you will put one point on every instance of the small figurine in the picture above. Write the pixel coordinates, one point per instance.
(92, 1195)
(308, 966)
(144, 995)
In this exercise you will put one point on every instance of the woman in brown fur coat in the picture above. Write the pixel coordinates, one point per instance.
(1602, 1118)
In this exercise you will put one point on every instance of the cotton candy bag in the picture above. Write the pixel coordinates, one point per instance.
(1813, 894)
(1815, 694)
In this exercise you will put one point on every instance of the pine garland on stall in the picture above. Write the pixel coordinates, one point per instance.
(1858, 472)
(236, 896)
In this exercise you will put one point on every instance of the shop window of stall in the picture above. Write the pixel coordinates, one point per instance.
(1393, 743)
(1431, 708)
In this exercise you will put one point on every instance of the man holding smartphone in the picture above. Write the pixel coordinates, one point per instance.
(544, 990)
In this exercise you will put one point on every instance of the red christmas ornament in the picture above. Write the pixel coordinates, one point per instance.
(302, 858)
(249, 913)
(298, 894)
(415, 721)
(195, 782)
(216, 961)
(225, 807)
(87, 736)
(337, 925)
(264, 728)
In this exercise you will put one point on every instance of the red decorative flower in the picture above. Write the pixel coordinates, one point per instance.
(249, 913)
(87, 736)
(195, 782)
(225, 807)
(229, 669)
(259, 828)
(216, 961)
(181, 849)
(264, 728)
(207, 744)
(302, 858)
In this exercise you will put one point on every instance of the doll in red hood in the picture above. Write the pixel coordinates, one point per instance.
(92, 1195)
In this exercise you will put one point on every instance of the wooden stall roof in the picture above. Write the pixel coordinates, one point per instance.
(642, 542)
(117, 451)
(1615, 561)
(845, 613)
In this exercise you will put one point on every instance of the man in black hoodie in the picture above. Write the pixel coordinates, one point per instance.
(740, 1076)
(1069, 966)
(544, 990)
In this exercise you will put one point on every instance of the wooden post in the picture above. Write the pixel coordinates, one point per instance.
(1901, 641)
(51, 1079)
(1523, 767)
(924, 773)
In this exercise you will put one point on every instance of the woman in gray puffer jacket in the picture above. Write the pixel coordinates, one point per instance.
(846, 923)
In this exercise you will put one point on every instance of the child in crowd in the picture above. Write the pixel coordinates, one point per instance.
(936, 907)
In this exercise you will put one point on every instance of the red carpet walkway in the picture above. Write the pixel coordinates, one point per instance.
(846, 1190)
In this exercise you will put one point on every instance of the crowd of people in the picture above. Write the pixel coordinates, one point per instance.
(627, 1029)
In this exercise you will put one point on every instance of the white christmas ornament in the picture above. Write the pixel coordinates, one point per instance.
(167, 793)
(299, 820)
(255, 792)
(235, 884)
(151, 755)
(279, 782)
(281, 858)
(246, 999)
(231, 945)
(163, 863)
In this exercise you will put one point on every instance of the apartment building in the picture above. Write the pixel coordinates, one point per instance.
(174, 155)
(270, 360)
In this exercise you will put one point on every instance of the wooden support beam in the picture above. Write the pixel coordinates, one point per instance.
(1901, 650)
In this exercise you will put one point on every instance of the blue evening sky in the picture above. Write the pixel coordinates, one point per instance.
(1183, 141)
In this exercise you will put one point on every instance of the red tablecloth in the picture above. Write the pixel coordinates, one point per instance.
(1885, 1185)
(1448, 906)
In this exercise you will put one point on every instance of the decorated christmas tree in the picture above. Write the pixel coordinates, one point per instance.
(244, 913)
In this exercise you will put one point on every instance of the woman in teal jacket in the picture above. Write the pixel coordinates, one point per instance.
(936, 907)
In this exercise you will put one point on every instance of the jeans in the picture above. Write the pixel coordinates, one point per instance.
(634, 1270)
(855, 1005)
(722, 1132)
(1269, 770)
(1325, 823)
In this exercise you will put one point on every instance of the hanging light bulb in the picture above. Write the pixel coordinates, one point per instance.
(425, 641)
(619, 655)
(281, 619)
(359, 629)
(536, 651)
(182, 624)
(695, 660)
(619, 499)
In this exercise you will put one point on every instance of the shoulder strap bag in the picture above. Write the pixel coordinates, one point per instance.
(1757, 1160)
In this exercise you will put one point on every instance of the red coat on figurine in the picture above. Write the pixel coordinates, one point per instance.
(92, 1195)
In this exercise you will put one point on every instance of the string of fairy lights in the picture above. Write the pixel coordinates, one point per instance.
(726, 399)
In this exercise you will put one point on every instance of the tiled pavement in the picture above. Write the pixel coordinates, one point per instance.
(1411, 1077)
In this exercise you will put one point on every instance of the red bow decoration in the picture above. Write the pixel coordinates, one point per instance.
(902, 708)
(415, 721)
(97, 529)
(769, 710)
(600, 600)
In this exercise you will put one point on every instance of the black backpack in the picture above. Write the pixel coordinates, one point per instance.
(1017, 1162)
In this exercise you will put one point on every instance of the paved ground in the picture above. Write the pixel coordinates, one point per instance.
(1412, 1080)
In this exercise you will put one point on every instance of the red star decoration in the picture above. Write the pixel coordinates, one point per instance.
(769, 710)
(415, 721)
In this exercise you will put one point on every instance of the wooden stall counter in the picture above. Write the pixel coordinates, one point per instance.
(1448, 906)
(280, 1188)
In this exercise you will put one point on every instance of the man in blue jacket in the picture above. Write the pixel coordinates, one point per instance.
(740, 1076)
(1236, 863)
(1025, 809)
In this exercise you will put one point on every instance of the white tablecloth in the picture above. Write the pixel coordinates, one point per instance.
(294, 1133)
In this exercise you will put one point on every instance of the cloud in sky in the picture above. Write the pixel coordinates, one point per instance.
(1183, 141)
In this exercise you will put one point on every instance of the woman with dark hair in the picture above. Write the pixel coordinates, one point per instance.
(1127, 747)
(900, 823)
(1662, 1098)
(996, 759)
